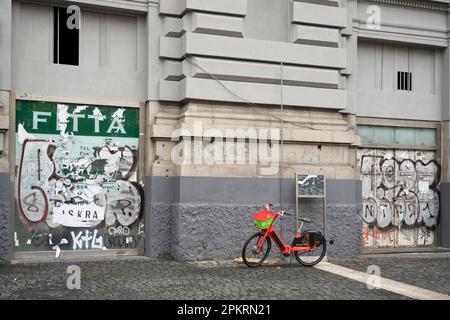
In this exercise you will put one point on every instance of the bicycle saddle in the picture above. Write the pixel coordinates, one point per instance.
(304, 219)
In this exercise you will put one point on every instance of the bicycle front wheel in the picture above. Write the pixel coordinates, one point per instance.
(316, 246)
(250, 254)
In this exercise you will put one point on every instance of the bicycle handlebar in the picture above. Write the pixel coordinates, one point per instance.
(280, 213)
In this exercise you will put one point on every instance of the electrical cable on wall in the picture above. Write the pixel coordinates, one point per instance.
(369, 142)
(257, 109)
(280, 118)
(254, 107)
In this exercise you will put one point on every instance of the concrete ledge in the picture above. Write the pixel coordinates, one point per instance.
(217, 24)
(332, 3)
(173, 70)
(173, 48)
(319, 15)
(210, 89)
(173, 27)
(199, 22)
(311, 35)
(234, 70)
(252, 49)
(68, 255)
(179, 7)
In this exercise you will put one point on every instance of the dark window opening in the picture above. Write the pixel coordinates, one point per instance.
(404, 80)
(65, 41)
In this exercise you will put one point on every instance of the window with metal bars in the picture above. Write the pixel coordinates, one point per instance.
(404, 80)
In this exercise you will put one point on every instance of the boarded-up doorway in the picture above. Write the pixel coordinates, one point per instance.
(400, 197)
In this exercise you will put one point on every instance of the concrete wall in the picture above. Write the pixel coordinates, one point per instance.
(404, 22)
(246, 42)
(412, 37)
(207, 217)
(192, 204)
(5, 87)
(5, 219)
(316, 38)
(170, 54)
(377, 87)
(322, 140)
(445, 215)
(267, 20)
(5, 44)
(112, 56)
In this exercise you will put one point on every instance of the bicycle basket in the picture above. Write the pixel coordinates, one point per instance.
(263, 219)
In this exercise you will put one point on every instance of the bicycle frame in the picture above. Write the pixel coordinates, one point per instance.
(283, 247)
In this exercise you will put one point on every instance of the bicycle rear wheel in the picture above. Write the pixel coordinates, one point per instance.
(317, 246)
(250, 254)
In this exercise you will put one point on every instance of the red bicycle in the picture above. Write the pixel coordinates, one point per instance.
(309, 248)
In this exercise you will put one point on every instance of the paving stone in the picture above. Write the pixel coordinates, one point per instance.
(426, 270)
(166, 279)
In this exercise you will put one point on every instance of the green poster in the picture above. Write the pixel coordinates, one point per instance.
(76, 179)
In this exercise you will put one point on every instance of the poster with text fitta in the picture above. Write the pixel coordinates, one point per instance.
(76, 176)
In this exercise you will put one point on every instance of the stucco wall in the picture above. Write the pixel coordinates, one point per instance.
(210, 218)
(112, 56)
(235, 35)
(4, 216)
(181, 46)
(444, 227)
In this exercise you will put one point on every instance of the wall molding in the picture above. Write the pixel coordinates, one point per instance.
(433, 37)
(429, 5)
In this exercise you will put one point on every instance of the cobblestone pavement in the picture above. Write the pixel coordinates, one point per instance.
(142, 278)
(426, 270)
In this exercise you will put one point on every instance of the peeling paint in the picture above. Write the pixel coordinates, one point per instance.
(68, 179)
(23, 135)
(63, 119)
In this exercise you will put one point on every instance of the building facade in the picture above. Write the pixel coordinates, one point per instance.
(158, 127)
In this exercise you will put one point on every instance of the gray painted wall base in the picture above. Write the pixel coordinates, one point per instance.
(186, 227)
(214, 231)
(181, 224)
(4, 216)
(445, 215)
(159, 229)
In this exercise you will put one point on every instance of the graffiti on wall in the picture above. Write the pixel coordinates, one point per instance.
(76, 176)
(400, 191)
